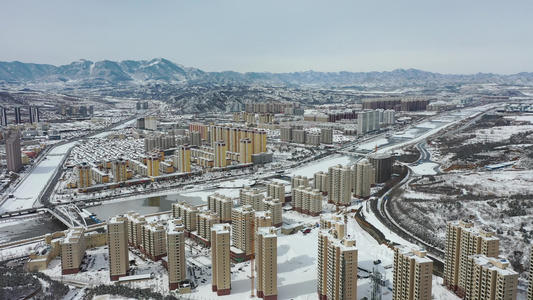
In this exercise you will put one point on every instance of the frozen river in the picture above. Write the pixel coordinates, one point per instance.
(26, 193)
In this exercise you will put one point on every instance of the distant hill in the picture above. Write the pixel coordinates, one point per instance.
(105, 72)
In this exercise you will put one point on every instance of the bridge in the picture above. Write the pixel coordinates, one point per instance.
(70, 215)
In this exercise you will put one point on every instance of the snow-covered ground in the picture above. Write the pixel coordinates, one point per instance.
(371, 145)
(27, 192)
(427, 168)
(498, 133)
(322, 165)
(237, 183)
(498, 183)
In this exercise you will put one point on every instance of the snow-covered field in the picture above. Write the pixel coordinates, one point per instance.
(425, 169)
(498, 133)
(497, 183)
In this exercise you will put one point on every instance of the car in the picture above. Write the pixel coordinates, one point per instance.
(306, 231)
(377, 262)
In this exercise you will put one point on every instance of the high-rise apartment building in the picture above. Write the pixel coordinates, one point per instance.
(83, 177)
(276, 190)
(463, 240)
(220, 154)
(412, 274)
(299, 180)
(204, 222)
(364, 178)
(18, 115)
(184, 159)
(220, 259)
(13, 153)
(275, 207)
(176, 266)
(490, 278)
(241, 226)
(367, 121)
(117, 240)
(530, 285)
(72, 250)
(34, 115)
(245, 151)
(389, 117)
(326, 135)
(187, 213)
(222, 205)
(135, 228)
(341, 182)
(267, 263)
(337, 261)
(286, 134)
(382, 163)
(3, 116)
(152, 163)
(252, 197)
(150, 123)
(196, 138)
(307, 200)
(321, 181)
(120, 170)
(154, 243)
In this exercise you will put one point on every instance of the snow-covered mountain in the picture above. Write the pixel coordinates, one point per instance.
(164, 71)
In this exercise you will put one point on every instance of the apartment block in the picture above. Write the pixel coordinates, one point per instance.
(222, 205)
(220, 154)
(252, 197)
(83, 172)
(412, 274)
(72, 250)
(286, 134)
(276, 190)
(220, 259)
(367, 121)
(187, 213)
(341, 182)
(326, 135)
(245, 151)
(364, 178)
(13, 154)
(117, 240)
(389, 117)
(299, 180)
(204, 222)
(275, 207)
(135, 231)
(307, 200)
(152, 164)
(183, 159)
(262, 219)
(321, 181)
(382, 163)
(530, 286)
(119, 169)
(337, 261)
(490, 278)
(176, 266)
(267, 263)
(154, 240)
(241, 226)
(463, 240)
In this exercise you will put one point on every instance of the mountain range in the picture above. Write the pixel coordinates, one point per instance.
(105, 72)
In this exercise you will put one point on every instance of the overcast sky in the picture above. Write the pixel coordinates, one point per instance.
(459, 37)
